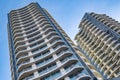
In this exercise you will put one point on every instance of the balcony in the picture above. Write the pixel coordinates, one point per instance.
(39, 48)
(41, 55)
(64, 51)
(24, 55)
(53, 76)
(47, 60)
(47, 70)
(26, 69)
(27, 61)
(36, 44)
(27, 78)
(71, 71)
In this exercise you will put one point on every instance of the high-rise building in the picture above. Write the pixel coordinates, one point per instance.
(41, 50)
(99, 39)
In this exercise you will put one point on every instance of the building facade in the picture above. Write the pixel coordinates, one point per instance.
(41, 50)
(99, 39)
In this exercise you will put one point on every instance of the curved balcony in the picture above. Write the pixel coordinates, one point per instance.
(28, 17)
(23, 29)
(28, 36)
(42, 65)
(30, 9)
(24, 11)
(13, 12)
(41, 57)
(16, 19)
(25, 57)
(15, 15)
(27, 33)
(23, 14)
(23, 17)
(17, 29)
(51, 39)
(44, 23)
(21, 52)
(34, 29)
(31, 27)
(72, 70)
(21, 22)
(24, 51)
(21, 46)
(40, 43)
(40, 19)
(34, 34)
(18, 32)
(22, 42)
(44, 73)
(36, 37)
(16, 23)
(47, 55)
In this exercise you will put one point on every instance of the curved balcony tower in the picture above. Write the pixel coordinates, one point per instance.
(41, 50)
(99, 39)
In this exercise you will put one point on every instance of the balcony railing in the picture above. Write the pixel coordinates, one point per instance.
(48, 69)
(25, 70)
(23, 62)
(44, 62)
(27, 78)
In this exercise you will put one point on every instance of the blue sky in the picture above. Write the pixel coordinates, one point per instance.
(67, 13)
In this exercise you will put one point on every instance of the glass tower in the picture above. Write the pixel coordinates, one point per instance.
(99, 39)
(41, 50)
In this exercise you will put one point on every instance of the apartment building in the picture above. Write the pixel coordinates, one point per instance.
(41, 50)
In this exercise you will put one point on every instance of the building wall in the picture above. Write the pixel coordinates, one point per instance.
(98, 38)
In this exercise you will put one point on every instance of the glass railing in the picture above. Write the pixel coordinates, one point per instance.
(37, 44)
(41, 56)
(33, 34)
(47, 70)
(36, 38)
(39, 49)
(44, 62)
